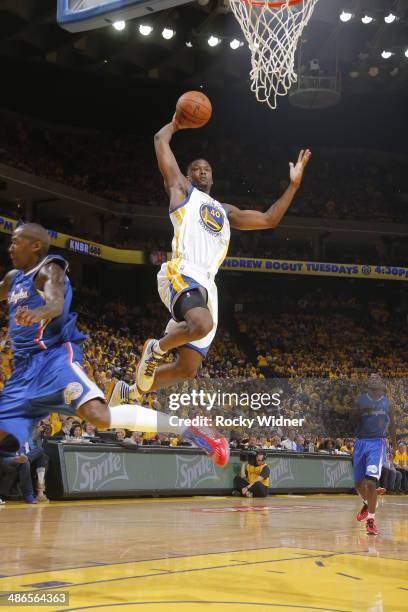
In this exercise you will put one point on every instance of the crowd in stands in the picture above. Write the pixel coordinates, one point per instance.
(313, 348)
(340, 184)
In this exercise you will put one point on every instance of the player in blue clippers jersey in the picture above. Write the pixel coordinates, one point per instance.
(48, 373)
(372, 416)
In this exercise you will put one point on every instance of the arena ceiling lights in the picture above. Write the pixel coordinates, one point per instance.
(366, 18)
(213, 41)
(119, 25)
(145, 30)
(345, 16)
(168, 33)
(235, 44)
(386, 54)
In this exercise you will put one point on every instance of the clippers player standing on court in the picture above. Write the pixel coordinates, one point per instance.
(372, 416)
(186, 283)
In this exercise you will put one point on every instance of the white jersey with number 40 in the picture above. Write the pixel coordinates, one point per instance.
(200, 244)
(201, 236)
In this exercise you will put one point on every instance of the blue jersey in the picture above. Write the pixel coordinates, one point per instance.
(374, 416)
(47, 334)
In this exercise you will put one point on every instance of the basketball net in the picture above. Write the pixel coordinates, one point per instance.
(272, 30)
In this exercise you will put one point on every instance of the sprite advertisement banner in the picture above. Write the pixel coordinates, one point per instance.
(94, 472)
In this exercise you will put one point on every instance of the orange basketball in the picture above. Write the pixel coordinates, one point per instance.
(193, 109)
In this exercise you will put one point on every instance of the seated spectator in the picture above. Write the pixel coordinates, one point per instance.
(253, 480)
(135, 439)
(17, 468)
(150, 439)
(89, 431)
(276, 443)
(65, 431)
(390, 478)
(253, 443)
(289, 443)
(120, 435)
(300, 444)
(327, 447)
(76, 431)
(401, 464)
(41, 433)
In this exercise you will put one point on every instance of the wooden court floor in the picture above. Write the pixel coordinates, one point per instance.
(217, 554)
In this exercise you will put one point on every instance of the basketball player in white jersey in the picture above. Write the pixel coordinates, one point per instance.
(186, 283)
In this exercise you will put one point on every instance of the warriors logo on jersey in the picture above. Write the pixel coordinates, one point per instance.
(211, 217)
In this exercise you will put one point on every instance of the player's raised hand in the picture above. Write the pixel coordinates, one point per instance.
(177, 125)
(27, 317)
(296, 170)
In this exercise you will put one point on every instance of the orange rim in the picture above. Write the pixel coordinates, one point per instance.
(271, 4)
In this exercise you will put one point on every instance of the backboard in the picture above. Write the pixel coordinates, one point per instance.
(80, 15)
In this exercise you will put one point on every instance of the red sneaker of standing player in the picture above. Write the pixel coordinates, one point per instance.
(362, 515)
(371, 527)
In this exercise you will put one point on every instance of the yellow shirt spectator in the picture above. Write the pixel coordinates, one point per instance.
(401, 459)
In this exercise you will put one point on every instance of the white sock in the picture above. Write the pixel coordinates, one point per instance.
(41, 476)
(371, 515)
(157, 348)
(138, 418)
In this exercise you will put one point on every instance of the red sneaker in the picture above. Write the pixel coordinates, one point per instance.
(214, 445)
(371, 527)
(362, 515)
(381, 491)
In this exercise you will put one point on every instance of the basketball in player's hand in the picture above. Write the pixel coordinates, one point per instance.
(193, 110)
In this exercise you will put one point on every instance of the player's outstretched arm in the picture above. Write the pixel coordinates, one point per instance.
(175, 183)
(5, 284)
(50, 281)
(255, 220)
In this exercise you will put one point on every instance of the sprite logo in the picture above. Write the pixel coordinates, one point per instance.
(95, 472)
(337, 473)
(194, 471)
(281, 470)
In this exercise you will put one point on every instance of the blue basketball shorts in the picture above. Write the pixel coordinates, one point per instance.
(50, 381)
(368, 458)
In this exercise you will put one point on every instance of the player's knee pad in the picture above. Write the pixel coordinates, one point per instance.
(193, 298)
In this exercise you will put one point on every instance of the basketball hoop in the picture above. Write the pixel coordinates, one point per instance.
(272, 30)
